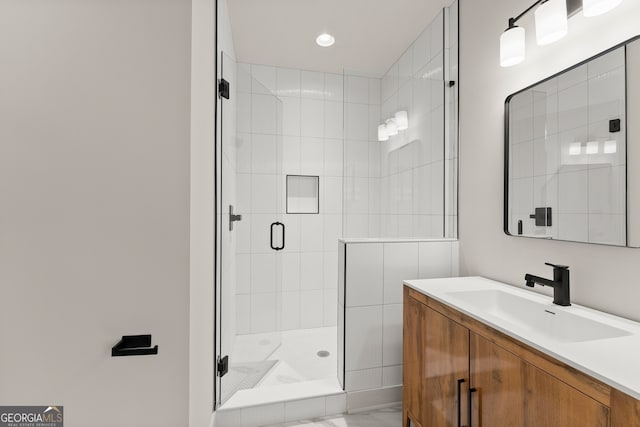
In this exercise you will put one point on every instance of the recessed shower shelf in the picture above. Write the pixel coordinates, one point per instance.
(303, 194)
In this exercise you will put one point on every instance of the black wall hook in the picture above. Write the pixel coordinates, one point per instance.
(134, 345)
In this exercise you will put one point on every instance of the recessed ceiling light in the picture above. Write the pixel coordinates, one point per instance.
(325, 40)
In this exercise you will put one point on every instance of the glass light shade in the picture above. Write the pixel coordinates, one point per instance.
(512, 47)
(402, 120)
(392, 127)
(598, 7)
(592, 147)
(382, 133)
(610, 147)
(551, 21)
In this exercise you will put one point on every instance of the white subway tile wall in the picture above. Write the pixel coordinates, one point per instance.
(296, 122)
(290, 122)
(370, 308)
(397, 188)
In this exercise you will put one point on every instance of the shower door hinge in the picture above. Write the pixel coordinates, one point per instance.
(223, 366)
(223, 89)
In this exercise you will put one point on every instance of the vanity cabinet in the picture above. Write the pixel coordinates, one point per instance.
(436, 360)
(512, 392)
(456, 367)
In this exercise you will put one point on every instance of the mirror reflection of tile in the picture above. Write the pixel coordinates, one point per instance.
(567, 152)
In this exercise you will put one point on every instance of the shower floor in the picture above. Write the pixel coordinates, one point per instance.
(297, 372)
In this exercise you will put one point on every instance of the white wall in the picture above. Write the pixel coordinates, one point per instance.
(94, 173)
(602, 277)
(203, 96)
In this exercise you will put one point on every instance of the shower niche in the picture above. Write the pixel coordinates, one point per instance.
(303, 194)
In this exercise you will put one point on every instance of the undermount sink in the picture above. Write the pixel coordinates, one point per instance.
(545, 319)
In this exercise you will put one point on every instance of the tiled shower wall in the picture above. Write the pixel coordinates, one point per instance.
(362, 156)
(391, 189)
(258, 284)
(416, 176)
(370, 304)
(404, 187)
(412, 163)
(308, 142)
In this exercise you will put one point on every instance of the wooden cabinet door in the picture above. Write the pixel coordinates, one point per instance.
(413, 359)
(436, 364)
(513, 393)
(445, 371)
(499, 379)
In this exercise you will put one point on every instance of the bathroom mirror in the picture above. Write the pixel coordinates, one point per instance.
(569, 152)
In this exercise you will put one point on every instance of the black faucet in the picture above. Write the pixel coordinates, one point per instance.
(560, 283)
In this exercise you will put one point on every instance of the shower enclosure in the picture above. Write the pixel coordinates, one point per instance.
(300, 166)
(277, 314)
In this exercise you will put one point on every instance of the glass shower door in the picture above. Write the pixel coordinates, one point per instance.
(252, 232)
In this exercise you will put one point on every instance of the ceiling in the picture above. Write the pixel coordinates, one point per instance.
(370, 34)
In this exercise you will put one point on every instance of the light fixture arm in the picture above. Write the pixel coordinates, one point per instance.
(512, 21)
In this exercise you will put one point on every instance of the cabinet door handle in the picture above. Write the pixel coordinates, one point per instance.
(460, 381)
(471, 391)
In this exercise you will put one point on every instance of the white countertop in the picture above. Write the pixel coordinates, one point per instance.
(614, 361)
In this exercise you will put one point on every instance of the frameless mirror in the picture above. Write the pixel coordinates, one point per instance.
(569, 152)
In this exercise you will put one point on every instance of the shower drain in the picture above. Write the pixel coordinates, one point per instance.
(323, 353)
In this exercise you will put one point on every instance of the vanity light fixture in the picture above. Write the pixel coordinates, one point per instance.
(382, 133)
(592, 147)
(551, 21)
(598, 7)
(610, 147)
(402, 120)
(512, 46)
(391, 127)
(325, 40)
(575, 148)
